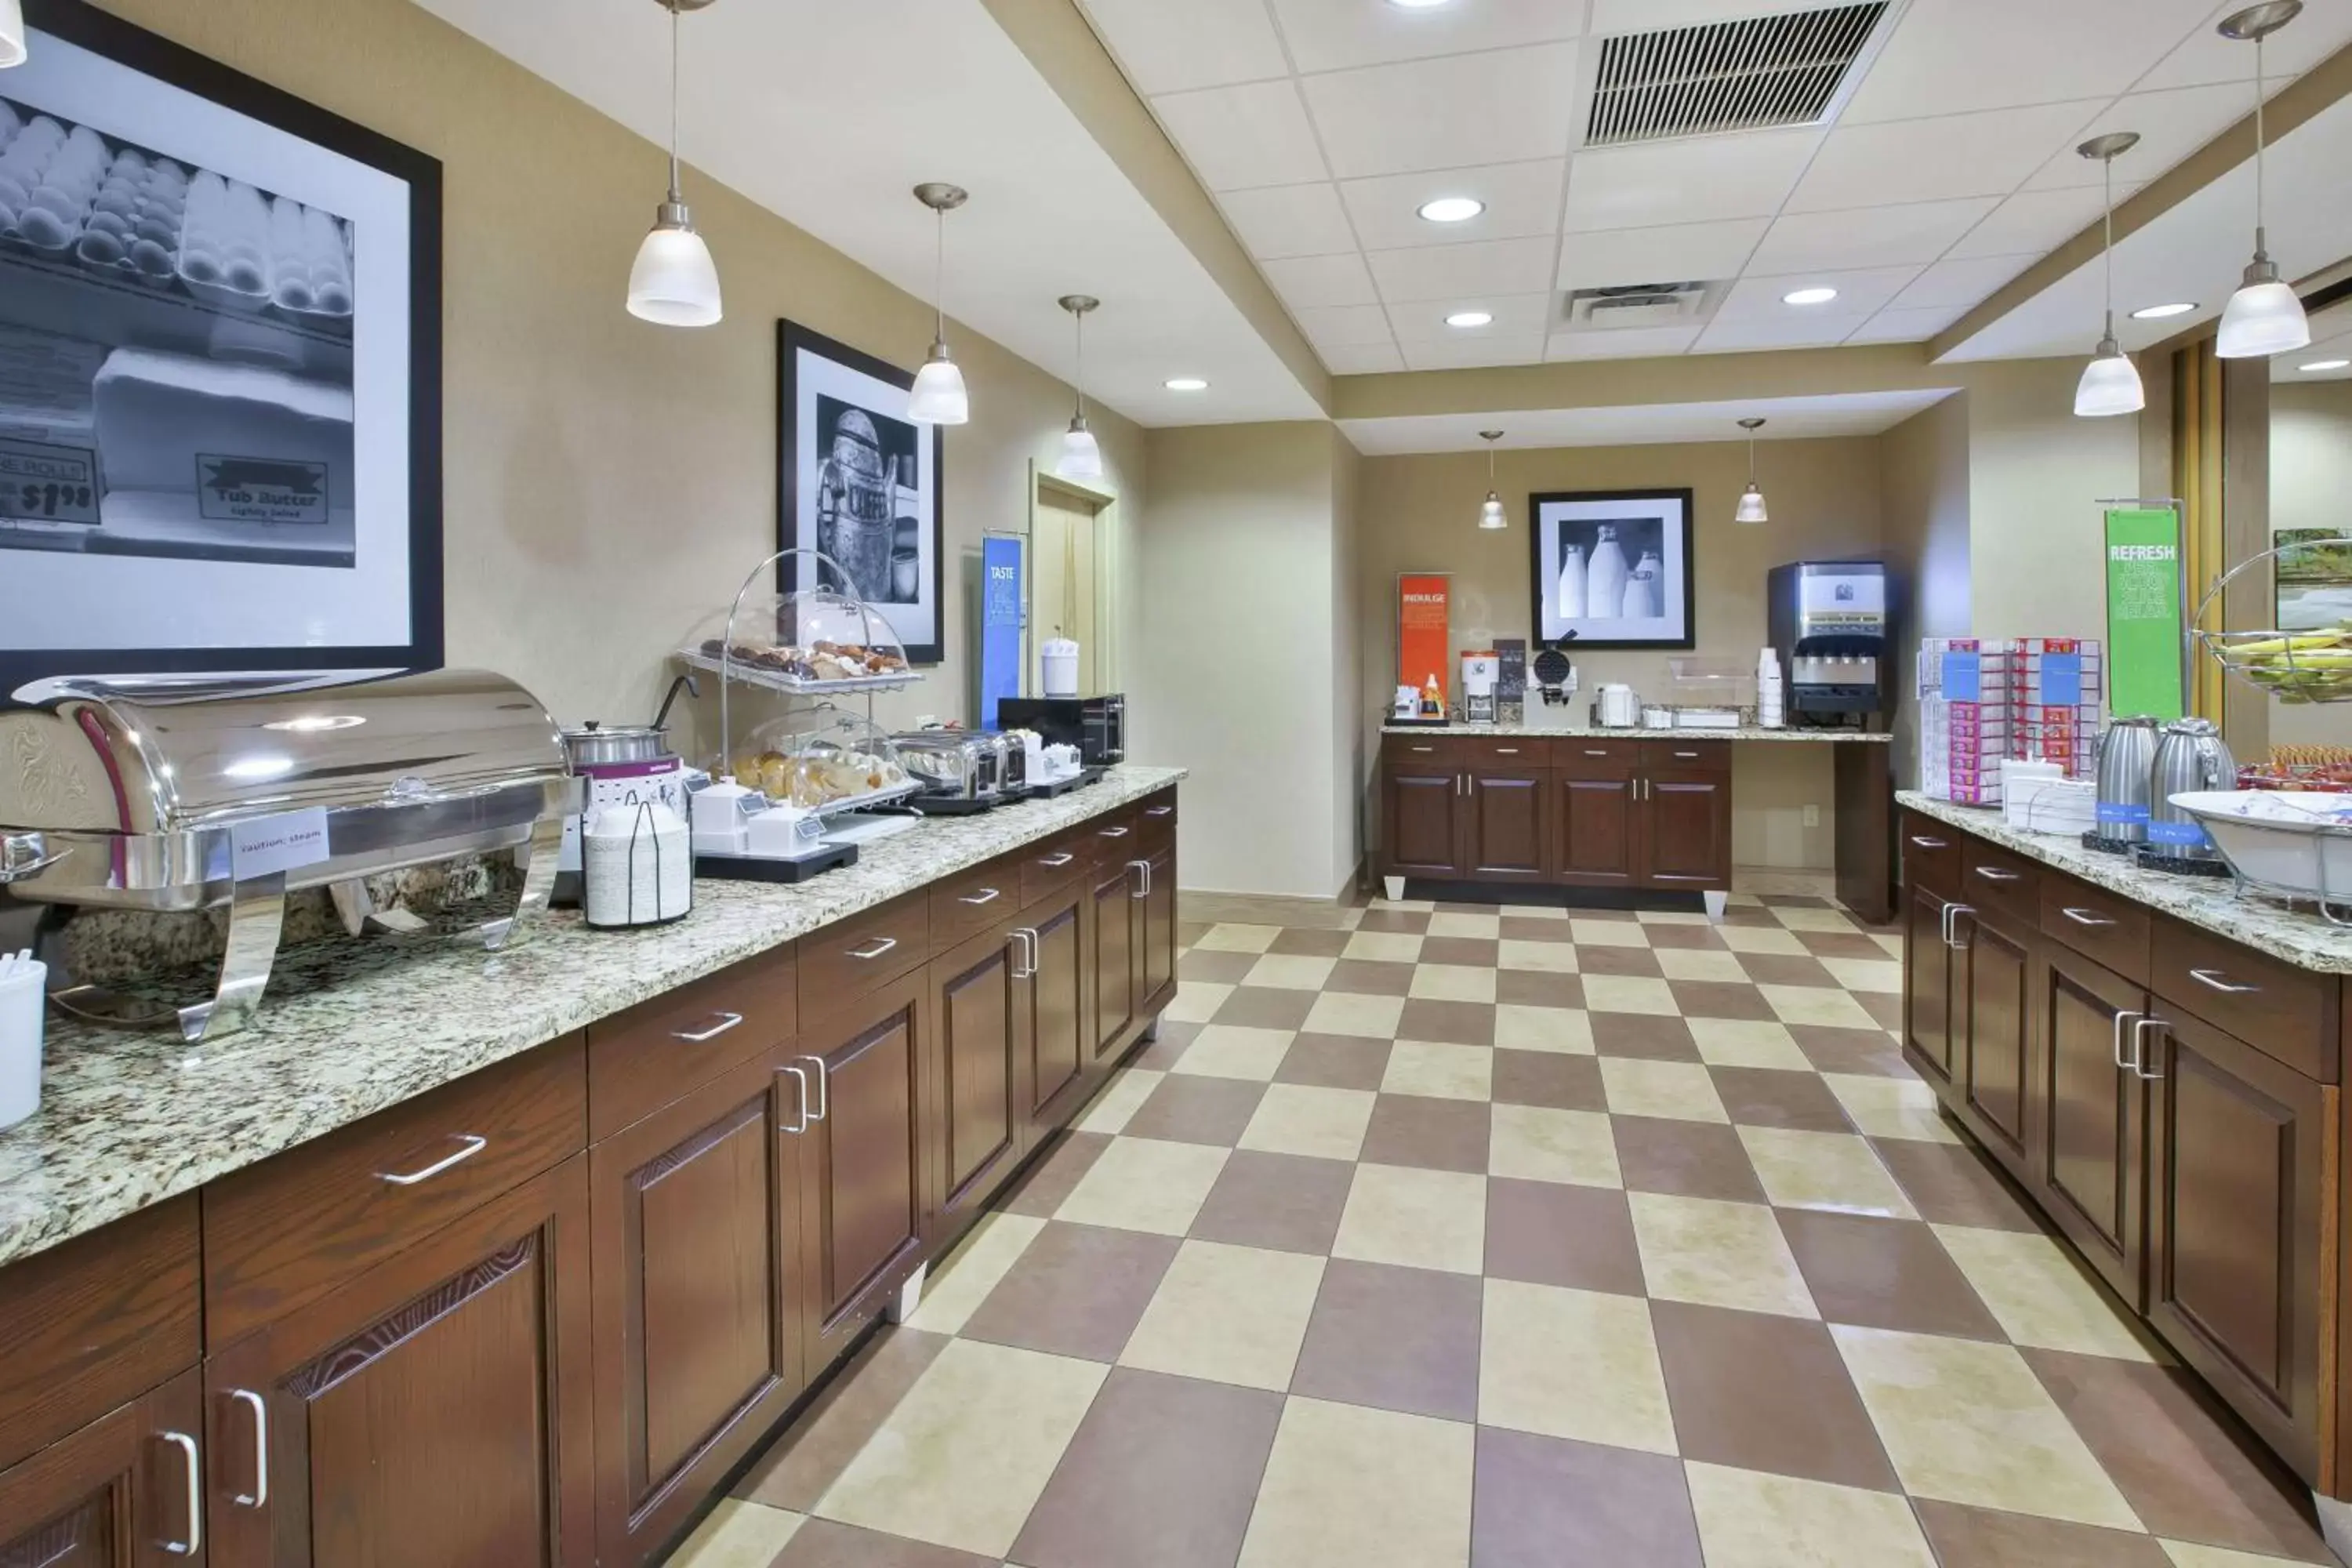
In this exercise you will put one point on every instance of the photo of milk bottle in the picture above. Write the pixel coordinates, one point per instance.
(1572, 583)
(1605, 574)
(1642, 589)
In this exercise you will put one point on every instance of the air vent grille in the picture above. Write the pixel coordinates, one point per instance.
(1727, 76)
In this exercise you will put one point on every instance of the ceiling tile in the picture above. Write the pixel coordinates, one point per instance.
(1906, 326)
(1201, 43)
(1813, 332)
(1361, 359)
(1951, 57)
(1630, 342)
(1334, 35)
(1987, 154)
(2207, 56)
(1344, 326)
(1521, 199)
(1610, 17)
(1905, 234)
(1956, 285)
(1313, 282)
(1237, 137)
(2172, 125)
(1679, 252)
(1451, 271)
(2037, 221)
(1859, 293)
(1516, 316)
(1703, 180)
(1525, 348)
(1510, 106)
(1289, 220)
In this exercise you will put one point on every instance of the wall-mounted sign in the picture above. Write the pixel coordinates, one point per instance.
(2144, 611)
(1423, 619)
(1002, 597)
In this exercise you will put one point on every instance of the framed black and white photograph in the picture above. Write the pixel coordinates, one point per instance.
(859, 482)
(220, 366)
(1613, 568)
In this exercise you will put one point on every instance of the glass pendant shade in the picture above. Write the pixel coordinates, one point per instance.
(2264, 318)
(675, 283)
(1081, 453)
(12, 34)
(938, 397)
(1490, 516)
(2110, 383)
(1751, 506)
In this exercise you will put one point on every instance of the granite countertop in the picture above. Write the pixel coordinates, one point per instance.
(348, 1028)
(1602, 731)
(2298, 934)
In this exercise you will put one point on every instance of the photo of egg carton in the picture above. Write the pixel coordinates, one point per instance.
(134, 226)
(49, 178)
(246, 251)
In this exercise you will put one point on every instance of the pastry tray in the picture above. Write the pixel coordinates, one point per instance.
(761, 869)
(777, 680)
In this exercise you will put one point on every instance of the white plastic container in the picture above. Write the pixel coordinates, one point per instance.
(637, 865)
(1060, 657)
(22, 998)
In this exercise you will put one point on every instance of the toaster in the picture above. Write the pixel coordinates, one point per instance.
(955, 764)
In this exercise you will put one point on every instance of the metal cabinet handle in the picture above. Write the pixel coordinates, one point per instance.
(1995, 874)
(473, 1146)
(1055, 862)
(2212, 977)
(1025, 956)
(2084, 916)
(1596, 750)
(2139, 1048)
(823, 1075)
(196, 1478)
(875, 949)
(802, 1079)
(260, 1497)
(1692, 755)
(1924, 842)
(726, 1021)
(1423, 751)
(1143, 874)
(987, 896)
(1114, 833)
(1158, 810)
(2121, 1065)
(1506, 751)
(1952, 913)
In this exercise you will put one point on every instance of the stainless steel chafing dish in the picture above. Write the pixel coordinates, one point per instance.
(176, 792)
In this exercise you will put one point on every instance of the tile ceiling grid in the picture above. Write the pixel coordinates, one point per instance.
(1918, 263)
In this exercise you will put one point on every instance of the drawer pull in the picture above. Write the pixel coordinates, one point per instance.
(1692, 755)
(2139, 1048)
(2212, 977)
(875, 949)
(474, 1145)
(1595, 751)
(720, 1024)
(1424, 751)
(260, 1496)
(986, 896)
(799, 1078)
(1924, 842)
(1952, 913)
(823, 1076)
(195, 1478)
(1114, 833)
(1158, 810)
(1506, 751)
(1055, 862)
(2121, 1065)
(2084, 916)
(1995, 874)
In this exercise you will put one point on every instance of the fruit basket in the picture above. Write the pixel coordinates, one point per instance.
(2297, 665)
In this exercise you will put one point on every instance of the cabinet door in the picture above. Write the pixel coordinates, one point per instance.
(1926, 986)
(866, 1193)
(125, 1491)
(434, 1409)
(1114, 919)
(2092, 1121)
(1156, 966)
(2237, 1226)
(1421, 808)
(985, 1095)
(1503, 826)
(1684, 825)
(698, 1298)
(1993, 1006)
(1055, 1015)
(1593, 834)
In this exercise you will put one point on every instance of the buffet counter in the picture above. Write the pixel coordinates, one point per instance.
(1622, 731)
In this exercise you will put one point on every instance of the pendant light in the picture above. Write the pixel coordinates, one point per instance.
(675, 283)
(1751, 500)
(1081, 453)
(2264, 317)
(2110, 382)
(939, 397)
(12, 34)
(1490, 515)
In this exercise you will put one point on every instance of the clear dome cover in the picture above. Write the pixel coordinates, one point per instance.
(813, 640)
(819, 759)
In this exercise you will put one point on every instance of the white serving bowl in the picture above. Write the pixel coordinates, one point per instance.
(2290, 841)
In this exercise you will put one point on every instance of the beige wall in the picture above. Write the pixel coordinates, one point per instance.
(1926, 506)
(1350, 737)
(2311, 478)
(608, 481)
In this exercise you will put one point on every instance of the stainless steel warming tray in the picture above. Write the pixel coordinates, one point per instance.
(177, 792)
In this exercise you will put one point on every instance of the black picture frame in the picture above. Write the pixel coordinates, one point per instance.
(150, 56)
(1666, 514)
(923, 640)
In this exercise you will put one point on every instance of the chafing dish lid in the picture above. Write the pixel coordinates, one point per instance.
(162, 754)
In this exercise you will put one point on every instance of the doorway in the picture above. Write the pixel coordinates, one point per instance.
(1072, 577)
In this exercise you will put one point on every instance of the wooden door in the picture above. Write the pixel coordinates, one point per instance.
(1155, 975)
(125, 1491)
(2091, 1125)
(1421, 810)
(1112, 892)
(436, 1409)
(984, 1094)
(1685, 826)
(1593, 836)
(698, 1298)
(866, 1197)
(1994, 1010)
(1927, 986)
(1055, 1015)
(1503, 826)
(2237, 1226)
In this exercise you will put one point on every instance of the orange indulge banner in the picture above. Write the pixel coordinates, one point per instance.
(1423, 603)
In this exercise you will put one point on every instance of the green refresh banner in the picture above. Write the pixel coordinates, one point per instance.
(2144, 611)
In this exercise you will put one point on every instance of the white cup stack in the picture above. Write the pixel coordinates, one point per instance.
(23, 994)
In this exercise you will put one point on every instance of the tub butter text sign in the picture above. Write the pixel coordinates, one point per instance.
(261, 489)
(2144, 611)
(41, 483)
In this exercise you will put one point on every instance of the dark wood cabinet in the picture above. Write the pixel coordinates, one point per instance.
(699, 1297)
(1112, 930)
(434, 1409)
(2239, 1224)
(1505, 825)
(1685, 829)
(1054, 1012)
(1992, 1012)
(1594, 827)
(2091, 1162)
(867, 1198)
(1927, 982)
(982, 1083)
(125, 1491)
(1421, 804)
(1156, 965)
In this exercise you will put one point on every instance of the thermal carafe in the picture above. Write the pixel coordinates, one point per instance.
(2126, 765)
(2190, 757)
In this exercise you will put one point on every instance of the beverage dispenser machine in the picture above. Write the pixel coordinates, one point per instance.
(1831, 627)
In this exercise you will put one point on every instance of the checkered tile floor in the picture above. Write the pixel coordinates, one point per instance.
(1513, 1237)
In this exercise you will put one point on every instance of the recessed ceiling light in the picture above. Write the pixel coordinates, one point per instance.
(2326, 364)
(1186, 383)
(1452, 209)
(1809, 297)
(2158, 313)
(1419, 4)
(1470, 319)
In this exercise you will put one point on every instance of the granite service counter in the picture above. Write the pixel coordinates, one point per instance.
(1621, 732)
(351, 1027)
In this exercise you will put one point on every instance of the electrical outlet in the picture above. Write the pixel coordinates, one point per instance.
(1812, 817)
